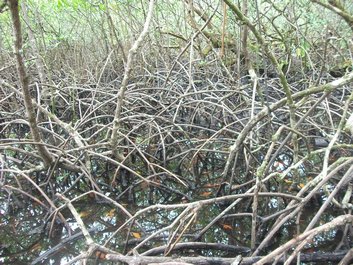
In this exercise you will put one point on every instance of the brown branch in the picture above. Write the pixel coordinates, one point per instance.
(264, 45)
(341, 220)
(24, 80)
(265, 111)
(337, 7)
(86, 234)
(198, 246)
(347, 258)
(143, 260)
(124, 83)
(318, 182)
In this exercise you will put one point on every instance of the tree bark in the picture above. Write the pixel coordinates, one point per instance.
(24, 80)
(143, 260)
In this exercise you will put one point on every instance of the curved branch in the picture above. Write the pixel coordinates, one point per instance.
(265, 111)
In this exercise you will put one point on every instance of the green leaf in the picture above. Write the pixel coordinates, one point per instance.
(102, 7)
(300, 52)
(62, 4)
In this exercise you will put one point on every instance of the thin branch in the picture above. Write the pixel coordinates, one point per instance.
(124, 83)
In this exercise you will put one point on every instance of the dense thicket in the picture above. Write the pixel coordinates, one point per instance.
(202, 132)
